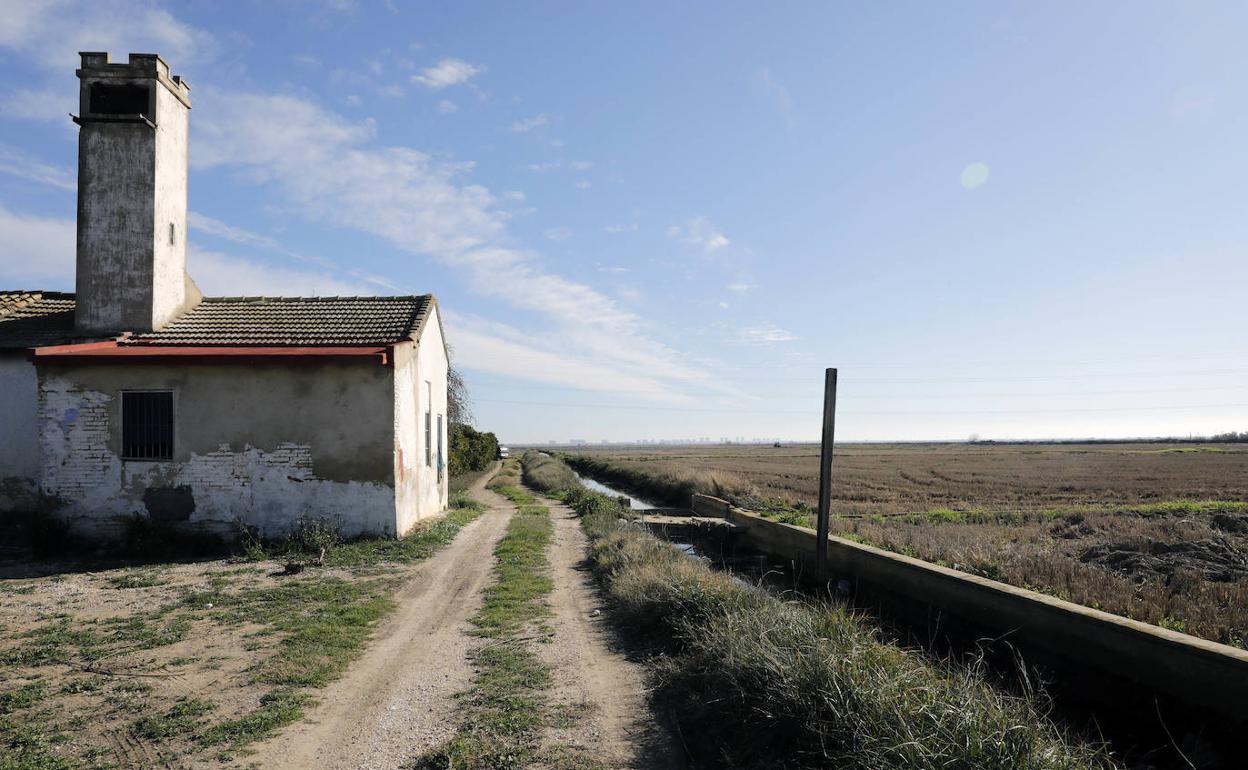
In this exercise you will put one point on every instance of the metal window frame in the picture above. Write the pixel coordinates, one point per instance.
(173, 425)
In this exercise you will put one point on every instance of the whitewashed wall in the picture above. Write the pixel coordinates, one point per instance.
(262, 445)
(422, 491)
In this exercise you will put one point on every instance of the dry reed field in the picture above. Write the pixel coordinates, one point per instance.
(1156, 532)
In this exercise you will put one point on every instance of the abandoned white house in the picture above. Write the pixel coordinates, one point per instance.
(135, 395)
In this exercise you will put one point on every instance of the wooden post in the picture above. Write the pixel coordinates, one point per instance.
(825, 473)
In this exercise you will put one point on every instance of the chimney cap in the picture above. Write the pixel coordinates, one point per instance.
(96, 65)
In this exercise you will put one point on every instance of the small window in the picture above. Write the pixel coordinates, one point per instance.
(119, 100)
(173, 235)
(428, 424)
(147, 425)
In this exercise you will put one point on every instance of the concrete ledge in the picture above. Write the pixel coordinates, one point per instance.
(1204, 674)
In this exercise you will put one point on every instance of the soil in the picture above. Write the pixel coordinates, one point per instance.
(594, 683)
(1215, 559)
(398, 701)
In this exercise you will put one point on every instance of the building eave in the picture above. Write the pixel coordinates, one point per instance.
(116, 354)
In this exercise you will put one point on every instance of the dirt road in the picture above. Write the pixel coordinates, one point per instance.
(593, 680)
(397, 701)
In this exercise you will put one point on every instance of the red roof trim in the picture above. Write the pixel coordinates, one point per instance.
(113, 353)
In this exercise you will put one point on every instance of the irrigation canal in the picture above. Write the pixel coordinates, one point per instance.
(1141, 743)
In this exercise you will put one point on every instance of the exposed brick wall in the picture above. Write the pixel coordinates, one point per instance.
(269, 489)
(74, 438)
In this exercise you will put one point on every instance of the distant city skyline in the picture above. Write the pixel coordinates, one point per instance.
(656, 220)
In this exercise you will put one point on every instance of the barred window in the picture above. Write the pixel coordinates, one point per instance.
(147, 425)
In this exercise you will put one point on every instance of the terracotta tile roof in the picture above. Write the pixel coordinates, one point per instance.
(303, 321)
(32, 318)
(294, 321)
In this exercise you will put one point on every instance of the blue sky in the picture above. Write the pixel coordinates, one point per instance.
(662, 220)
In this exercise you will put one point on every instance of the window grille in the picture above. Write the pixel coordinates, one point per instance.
(147, 425)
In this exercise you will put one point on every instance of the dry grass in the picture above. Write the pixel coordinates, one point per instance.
(899, 478)
(755, 681)
(1156, 532)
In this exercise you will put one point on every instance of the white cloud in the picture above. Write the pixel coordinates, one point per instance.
(524, 125)
(583, 184)
(215, 227)
(500, 349)
(629, 228)
(53, 105)
(447, 72)
(699, 232)
(219, 274)
(764, 334)
(740, 287)
(558, 233)
(40, 251)
(329, 170)
(16, 163)
(544, 166)
(514, 195)
(614, 269)
(581, 165)
(446, 107)
(50, 33)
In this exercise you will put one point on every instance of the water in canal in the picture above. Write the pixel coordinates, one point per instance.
(597, 486)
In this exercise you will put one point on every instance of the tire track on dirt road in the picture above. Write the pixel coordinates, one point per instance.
(398, 700)
(593, 681)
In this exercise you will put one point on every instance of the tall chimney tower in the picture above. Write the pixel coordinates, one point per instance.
(132, 151)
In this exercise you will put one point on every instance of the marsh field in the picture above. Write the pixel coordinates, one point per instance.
(1153, 531)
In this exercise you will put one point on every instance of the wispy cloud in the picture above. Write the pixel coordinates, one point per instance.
(581, 165)
(632, 227)
(446, 107)
(699, 232)
(46, 247)
(524, 125)
(41, 251)
(545, 166)
(777, 93)
(50, 33)
(446, 73)
(330, 170)
(740, 287)
(583, 184)
(764, 334)
(222, 274)
(16, 163)
(558, 233)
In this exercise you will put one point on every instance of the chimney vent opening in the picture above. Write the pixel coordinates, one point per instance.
(119, 99)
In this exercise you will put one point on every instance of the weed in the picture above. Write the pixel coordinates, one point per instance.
(278, 708)
(23, 697)
(26, 746)
(182, 718)
(138, 579)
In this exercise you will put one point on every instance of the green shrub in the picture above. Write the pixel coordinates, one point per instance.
(470, 449)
